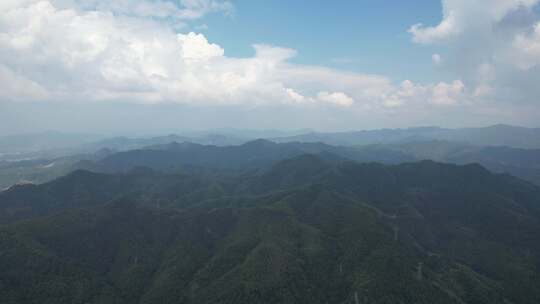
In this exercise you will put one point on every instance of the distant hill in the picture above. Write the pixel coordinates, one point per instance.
(497, 135)
(55, 144)
(125, 143)
(308, 229)
(178, 157)
(254, 154)
(523, 163)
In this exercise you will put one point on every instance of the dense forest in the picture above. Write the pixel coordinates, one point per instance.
(313, 228)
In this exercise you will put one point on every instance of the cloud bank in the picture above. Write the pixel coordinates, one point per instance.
(494, 45)
(138, 52)
(88, 51)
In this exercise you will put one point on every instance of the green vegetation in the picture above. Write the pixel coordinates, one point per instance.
(307, 230)
(176, 157)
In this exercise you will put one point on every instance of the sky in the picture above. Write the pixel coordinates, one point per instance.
(150, 66)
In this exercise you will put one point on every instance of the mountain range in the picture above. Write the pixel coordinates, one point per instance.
(496, 135)
(306, 229)
(174, 156)
(524, 163)
(60, 144)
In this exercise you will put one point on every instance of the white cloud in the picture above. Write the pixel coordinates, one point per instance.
(485, 76)
(83, 51)
(295, 96)
(448, 93)
(526, 48)
(462, 16)
(493, 46)
(89, 55)
(76, 53)
(196, 47)
(337, 98)
(404, 94)
(447, 28)
(18, 87)
(416, 95)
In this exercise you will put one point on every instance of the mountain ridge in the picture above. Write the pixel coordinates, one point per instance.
(305, 230)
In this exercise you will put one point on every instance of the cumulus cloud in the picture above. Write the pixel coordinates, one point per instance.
(494, 48)
(295, 96)
(89, 55)
(501, 32)
(462, 16)
(336, 98)
(448, 93)
(417, 95)
(526, 48)
(196, 47)
(63, 52)
(88, 51)
(448, 27)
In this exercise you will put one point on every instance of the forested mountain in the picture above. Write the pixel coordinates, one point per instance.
(178, 157)
(308, 229)
(253, 154)
(523, 163)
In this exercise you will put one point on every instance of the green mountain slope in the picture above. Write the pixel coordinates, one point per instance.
(306, 230)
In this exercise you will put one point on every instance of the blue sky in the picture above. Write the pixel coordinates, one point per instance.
(363, 36)
(341, 65)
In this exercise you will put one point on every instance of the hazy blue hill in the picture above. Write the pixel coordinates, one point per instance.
(176, 155)
(126, 143)
(253, 154)
(187, 156)
(519, 162)
(247, 134)
(497, 135)
(437, 150)
(523, 163)
(51, 145)
(500, 148)
(366, 137)
(499, 155)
